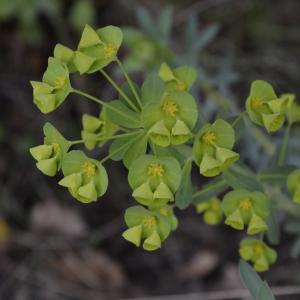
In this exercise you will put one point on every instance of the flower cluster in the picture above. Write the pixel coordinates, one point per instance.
(265, 108)
(55, 87)
(258, 253)
(85, 178)
(155, 130)
(49, 156)
(212, 211)
(242, 207)
(213, 148)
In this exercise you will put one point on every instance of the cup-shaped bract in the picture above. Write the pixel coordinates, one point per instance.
(242, 207)
(55, 87)
(257, 252)
(167, 211)
(85, 178)
(97, 48)
(211, 209)
(146, 226)
(293, 185)
(154, 180)
(65, 55)
(178, 79)
(171, 119)
(49, 155)
(213, 148)
(265, 108)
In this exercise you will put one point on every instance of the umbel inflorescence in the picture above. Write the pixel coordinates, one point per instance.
(156, 131)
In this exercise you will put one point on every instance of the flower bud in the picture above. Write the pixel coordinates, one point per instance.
(256, 251)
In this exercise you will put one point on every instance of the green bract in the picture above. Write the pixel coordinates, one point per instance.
(211, 209)
(150, 226)
(178, 79)
(65, 55)
(171, 118)
(97, 48)
(85, 178)
(213, 148)
(265, 108)
(154, 180)
(49, 155)
(245, 208)
(293, 185)
(55, 87)
(91, 130)
(258, 253)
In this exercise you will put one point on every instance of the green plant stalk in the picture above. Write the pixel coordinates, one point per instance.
(137, 97)
(119, 90)
(101, 102)
(112, 137)
(284, 146)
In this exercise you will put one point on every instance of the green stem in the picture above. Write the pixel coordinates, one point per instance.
(119, 90)
(136, 95)
(116, 151)
(220, 183)
(241, 116)
(112, 137)
(283, 148)
(101, 102)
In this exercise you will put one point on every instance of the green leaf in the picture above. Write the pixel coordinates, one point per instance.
(295, 251)
(264, 292)
(119, 146)
(250, 278)
(152, 89)
(273, 232)
(183, 197)
(121, 115)
(211, 189)
(128, 91)
(240, 178)
(275, 174)
(136, 149)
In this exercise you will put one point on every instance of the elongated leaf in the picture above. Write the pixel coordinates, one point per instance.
(211, 189)
(121, 115)
(275, 174)
(136, 149)
(127, 90)
(183, 197)
(273, 232)
(250, 278)
(152, 89)
(206, 36)
(240, 178)
(119, 147)
(264, 292)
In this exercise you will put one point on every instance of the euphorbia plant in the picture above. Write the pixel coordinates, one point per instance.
(156, 131)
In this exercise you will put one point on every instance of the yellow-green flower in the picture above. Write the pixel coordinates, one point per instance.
(212, 211)
(293, 185)
(256, 251)
(265, 108)
(97, 48)
(178, 79)
(49, 155)
(171, 119)
(213, 148)
(55, 87)
(85, 178)
(242, 207)
(154, 180)
(147, 227)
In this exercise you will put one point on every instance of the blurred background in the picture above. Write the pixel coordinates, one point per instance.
(52, 247)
